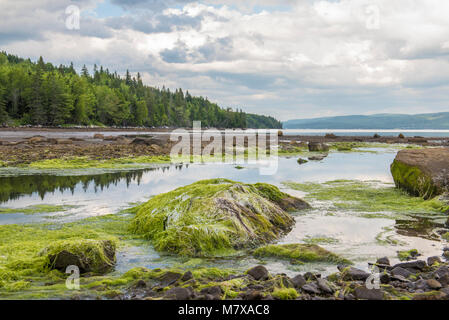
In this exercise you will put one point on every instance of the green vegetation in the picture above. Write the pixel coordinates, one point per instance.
(212, 217)
(42, 94)
(320, 240)
(85, 163)
(367, 197)
(446, 236)
(413, 180)
(408, 254)
(297, 252)
(285, 293)
(39, 208)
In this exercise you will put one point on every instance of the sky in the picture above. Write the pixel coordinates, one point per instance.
(285, 58)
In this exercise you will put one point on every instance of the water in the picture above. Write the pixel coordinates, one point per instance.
(100, 193)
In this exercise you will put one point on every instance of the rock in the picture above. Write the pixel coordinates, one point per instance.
(187, 276)
(317, 158)
(432, 260)
(37, 139)
(352, 273)
(398, 271)
(280, 133)
(213, 215)
(383, 261)
(301, 161)
(434, 284)
(311, 288)
(258, 273)
(96, 256)
(214, 291)
(253, 295)
(324, 286)
(169, 278)
(309, 276)
(110, 138)
(298, 281)
(444, 280)
(318, 147)
(282, 199)
(122, 140)
(412, 266)
(442, 271)
(363, 293)
(63, 141)
(98, 136)
(178, 293)
(422, 172)
(299, 252)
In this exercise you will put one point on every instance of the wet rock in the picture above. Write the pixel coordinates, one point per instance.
(311, 288)
(444, 280)
(363, 293)
(383, 261)
(214, 291)
(37, 139)
(178, 293)
(253, 295)
(434, 284)
(258, 273)
(412, 266)
(432, 260)
(298, 281)
(442, 271)
(301, 161)
(352, 273)
(169, 278)
(98, 136)
(398, 271)
(96, 256)
(421, 284)
(317, 158)
(318, 147)
(422, 172)
(324, 286)
(187, 276)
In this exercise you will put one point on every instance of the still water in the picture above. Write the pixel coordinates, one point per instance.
(99, 193)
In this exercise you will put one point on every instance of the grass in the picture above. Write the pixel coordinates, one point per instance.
(367, 197)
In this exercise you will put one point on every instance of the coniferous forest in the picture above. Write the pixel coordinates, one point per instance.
(39, 93)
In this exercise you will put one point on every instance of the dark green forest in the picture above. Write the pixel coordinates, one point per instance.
(39, 93)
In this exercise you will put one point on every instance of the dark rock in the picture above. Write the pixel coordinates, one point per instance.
(214, 291)
(141, 284)
(324, 286)
(398, 271)
(444, 280)
(412, 266)
(98, 136)
(301, 161)
(311, 288)
(253, 295)
(187, 276)
(432, 260)
(178, 293)
(363, 293)
(355, 274)
(442, 271)
(310, 276)
(383, 261)
(169, 278)
(421, 284)
(298, 281)
(259, 273)
(317, 158)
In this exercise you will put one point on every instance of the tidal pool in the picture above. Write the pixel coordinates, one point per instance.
(359, 236)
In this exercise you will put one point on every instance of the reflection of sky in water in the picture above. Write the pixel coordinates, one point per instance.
(356, 235)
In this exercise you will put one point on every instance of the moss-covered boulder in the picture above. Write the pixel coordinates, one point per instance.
(97, 256)
(211, 217)
(298, 252)
(422, 172)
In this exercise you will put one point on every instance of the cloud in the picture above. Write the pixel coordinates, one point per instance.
(284, 58)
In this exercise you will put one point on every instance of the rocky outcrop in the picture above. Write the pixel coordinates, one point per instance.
(318, 147)
(211, 217)
(96, 256)
(422, 172)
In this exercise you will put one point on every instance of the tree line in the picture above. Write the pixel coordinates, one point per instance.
(39, 93)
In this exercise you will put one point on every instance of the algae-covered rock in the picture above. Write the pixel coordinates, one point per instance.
(299, 252)
(422, 172)
(212, 216)
(96, 256)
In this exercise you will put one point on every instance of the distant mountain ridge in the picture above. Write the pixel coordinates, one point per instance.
(376, 121)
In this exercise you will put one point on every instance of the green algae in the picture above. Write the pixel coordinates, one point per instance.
(407, 254)
(320, 240)
(367, 196)
(39, 208)
(299, 252)
(85, 162)
(413, 180)
(212, 217)
(445, 236)
(285, 293)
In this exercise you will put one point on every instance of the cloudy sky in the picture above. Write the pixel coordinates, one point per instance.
(285, 58)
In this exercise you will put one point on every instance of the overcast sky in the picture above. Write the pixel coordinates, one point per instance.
(285, 58)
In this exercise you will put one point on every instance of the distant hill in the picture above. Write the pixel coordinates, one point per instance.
(377, 121)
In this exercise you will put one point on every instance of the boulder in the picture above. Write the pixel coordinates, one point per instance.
(412, 266)
(318, 147)
(363, 293)
(298, 281)
(98, 136)
(178, 293)
(37, 139)
(258, 273)
(96, 256)
(422, 172)
(351, 273)
(212, 217)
